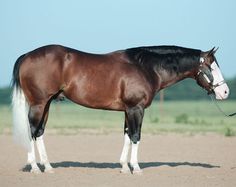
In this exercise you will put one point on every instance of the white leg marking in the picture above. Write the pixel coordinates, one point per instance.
(32, 160)
(124, 155)
(134, 159)
(43, 155)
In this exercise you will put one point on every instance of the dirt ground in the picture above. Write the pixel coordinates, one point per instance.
(92, 160)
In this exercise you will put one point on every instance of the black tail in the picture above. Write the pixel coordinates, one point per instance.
(15, 75)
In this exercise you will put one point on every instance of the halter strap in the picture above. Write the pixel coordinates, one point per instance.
(218, 84)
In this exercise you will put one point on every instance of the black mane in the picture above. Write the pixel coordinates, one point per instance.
(171, 58)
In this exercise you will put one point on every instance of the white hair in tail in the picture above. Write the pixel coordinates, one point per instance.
(21, 127)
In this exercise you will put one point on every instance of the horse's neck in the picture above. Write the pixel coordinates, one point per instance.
(167, 79)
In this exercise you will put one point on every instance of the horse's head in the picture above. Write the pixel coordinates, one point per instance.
(210, 77)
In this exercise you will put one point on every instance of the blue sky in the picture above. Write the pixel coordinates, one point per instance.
(105, 25)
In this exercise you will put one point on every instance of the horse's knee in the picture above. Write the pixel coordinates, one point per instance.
(135, 137)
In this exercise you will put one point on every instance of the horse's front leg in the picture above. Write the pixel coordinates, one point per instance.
(134, 159)
(125, 151)
(135, 118)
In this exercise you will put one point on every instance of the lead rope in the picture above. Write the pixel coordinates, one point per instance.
(217, 106)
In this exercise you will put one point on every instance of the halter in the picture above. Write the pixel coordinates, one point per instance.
(204, 75)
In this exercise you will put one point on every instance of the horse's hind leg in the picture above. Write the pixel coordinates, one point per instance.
(33, 119)
(31, 159)
(43, 155)
(38, 115)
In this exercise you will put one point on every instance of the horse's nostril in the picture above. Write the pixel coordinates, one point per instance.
(226, 92)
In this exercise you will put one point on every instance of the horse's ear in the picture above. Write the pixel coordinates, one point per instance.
(211, 52)
(215, 50)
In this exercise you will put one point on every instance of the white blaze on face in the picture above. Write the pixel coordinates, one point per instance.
(221, 91)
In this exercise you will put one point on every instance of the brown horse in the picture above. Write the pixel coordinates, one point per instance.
(125, 80)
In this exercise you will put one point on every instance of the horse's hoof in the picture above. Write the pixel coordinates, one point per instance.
(35, 171)
(50, 170)
(137, 172)
(125, 171)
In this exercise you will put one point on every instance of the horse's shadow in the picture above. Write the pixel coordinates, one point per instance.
(104, 165)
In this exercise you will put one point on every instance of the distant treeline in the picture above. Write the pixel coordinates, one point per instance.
(184, 90)
(5, 95)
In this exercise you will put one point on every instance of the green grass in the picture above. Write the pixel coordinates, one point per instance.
(175, 116)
